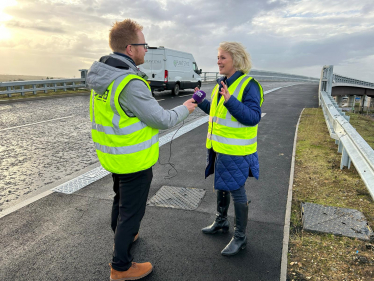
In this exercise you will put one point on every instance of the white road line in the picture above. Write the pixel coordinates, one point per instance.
(272, 90)
(26, 125)
(160, 100)
(263, 114)
(185, 96)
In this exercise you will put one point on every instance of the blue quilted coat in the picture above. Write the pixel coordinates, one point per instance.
(230, 171)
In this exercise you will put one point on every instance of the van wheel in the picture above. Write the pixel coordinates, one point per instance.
(175, 90)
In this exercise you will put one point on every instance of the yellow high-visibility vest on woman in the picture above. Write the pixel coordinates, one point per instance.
(123, 144)
(225, 134)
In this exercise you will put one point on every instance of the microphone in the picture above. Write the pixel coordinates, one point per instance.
(199, 96)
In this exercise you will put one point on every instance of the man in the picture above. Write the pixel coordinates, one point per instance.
(125, 122)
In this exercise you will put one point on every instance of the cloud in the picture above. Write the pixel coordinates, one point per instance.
(33, 25)
(296, 36)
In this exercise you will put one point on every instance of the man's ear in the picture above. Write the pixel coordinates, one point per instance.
(128, 51)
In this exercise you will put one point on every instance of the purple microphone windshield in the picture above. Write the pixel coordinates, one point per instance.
(199, 96)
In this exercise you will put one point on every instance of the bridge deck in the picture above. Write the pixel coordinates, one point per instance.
(68, 237)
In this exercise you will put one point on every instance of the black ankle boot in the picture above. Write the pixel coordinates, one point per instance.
(239, 240)
(221, 222)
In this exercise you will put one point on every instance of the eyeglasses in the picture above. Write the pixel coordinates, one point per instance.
(145, 45)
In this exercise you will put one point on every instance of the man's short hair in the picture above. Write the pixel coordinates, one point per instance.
(123, 33)
(240, 58)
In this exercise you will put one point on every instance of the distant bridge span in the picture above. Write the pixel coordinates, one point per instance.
(342, 89)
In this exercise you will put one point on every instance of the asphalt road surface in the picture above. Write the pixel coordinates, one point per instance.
(45, 142)
(68, 237)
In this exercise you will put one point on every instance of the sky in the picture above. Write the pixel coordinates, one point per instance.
(58, 37)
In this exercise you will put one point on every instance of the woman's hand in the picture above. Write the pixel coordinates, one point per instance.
(224, 92)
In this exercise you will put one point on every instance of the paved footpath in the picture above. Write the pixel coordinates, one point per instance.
(68, 237)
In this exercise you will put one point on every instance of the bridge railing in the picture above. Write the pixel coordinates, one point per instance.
(346, 80)
(22, 87)
(262, 76)
(35, 86)
(353, 147)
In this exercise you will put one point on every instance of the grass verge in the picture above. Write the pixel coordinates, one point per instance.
(364, 124)
(318, 179)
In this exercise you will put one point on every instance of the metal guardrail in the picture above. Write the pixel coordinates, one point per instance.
(346, 80)
(262, 76)
(22, 87)
(353, 147)
(15, 87)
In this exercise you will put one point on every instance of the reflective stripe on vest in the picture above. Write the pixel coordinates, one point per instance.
(127, 149)
(231, 141)
(225, 134)
(123, 144)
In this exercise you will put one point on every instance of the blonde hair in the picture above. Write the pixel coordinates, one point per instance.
(123, 33)
(241, 59)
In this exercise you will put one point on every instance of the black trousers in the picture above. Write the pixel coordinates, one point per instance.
(127, 212)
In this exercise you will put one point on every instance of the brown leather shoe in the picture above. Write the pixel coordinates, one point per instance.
(135, 272)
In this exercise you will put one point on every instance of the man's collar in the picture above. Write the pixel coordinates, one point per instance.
(126, 56)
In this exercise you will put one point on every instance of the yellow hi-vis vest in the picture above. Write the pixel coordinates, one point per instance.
(225, 134)
(123, 144)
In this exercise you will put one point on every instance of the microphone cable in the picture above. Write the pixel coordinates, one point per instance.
(172, 165)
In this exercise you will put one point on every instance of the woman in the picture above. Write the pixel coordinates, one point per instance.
(235, 111)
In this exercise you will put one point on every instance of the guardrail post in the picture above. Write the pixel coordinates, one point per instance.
(204, 76)
(74, 89)
(22, 92)
(45, 88)
(325, 83)
(346, 161)
(8, 89)
(368, 104)
(340, 146)
(363, 103)
(64, 86)
(84, 75)
(216, 75)
(55, 89)
(329, 76)
(339, 100)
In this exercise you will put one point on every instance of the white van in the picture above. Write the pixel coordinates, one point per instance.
(170, 70)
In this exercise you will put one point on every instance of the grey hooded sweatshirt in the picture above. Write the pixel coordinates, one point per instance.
(135, 99)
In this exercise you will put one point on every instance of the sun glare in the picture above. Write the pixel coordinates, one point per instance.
(5, 34)
(3, 5)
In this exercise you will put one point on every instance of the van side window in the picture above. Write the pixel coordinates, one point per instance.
(194, 66)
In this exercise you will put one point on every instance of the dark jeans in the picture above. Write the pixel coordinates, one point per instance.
(127, 212)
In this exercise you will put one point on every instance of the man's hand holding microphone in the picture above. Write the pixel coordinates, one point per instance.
(190, 105)
(197, 98)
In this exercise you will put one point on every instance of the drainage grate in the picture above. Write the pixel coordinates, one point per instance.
(81, 181)
(177, 197)
(338, 221)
